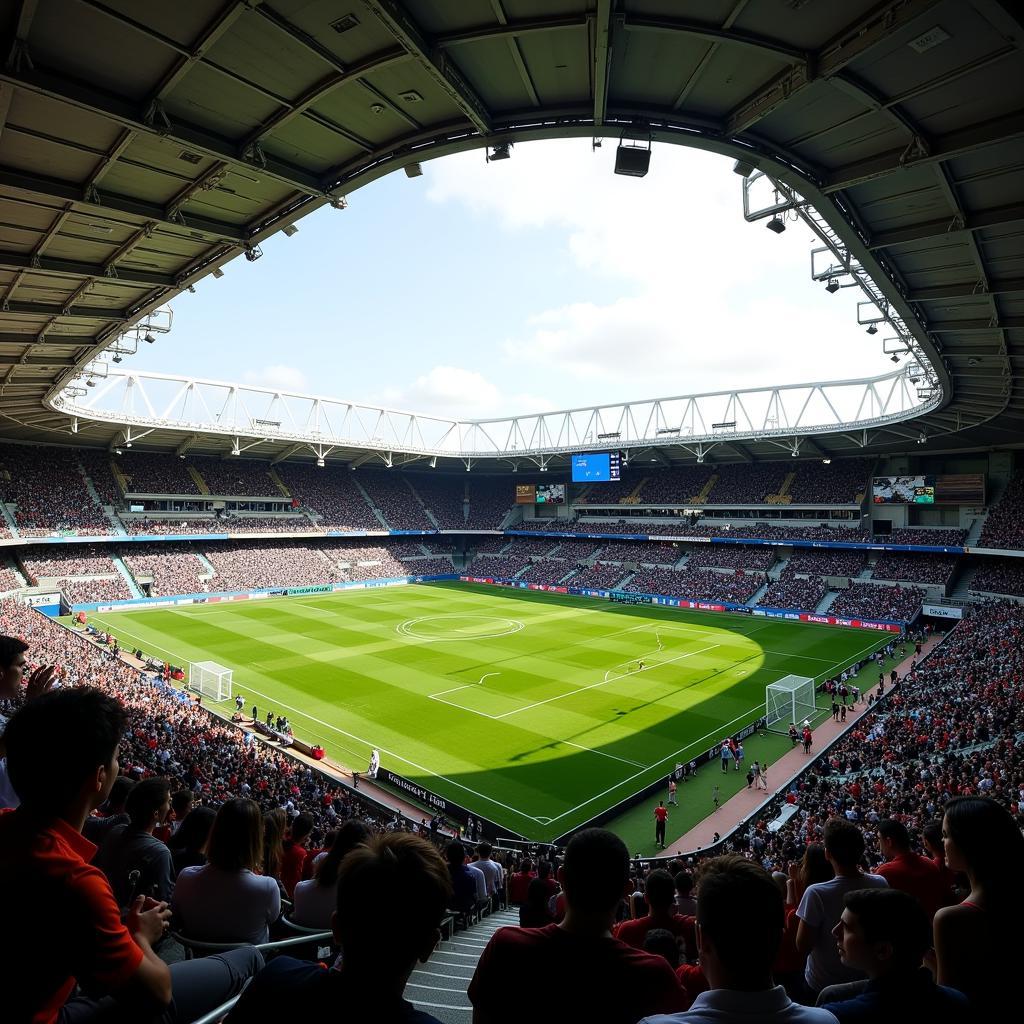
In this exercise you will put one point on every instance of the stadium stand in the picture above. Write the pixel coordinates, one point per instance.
(235, 477)
(496, 565)
(636, 551)
(842, 482)
(697, 584)
(826, 563)
(914, 568)
(877, 601)
(205, 523)
(58, 561)
(935, 536)
(999, 576)
(392, 496)
(747, 485)
(732, 556)
(598, 576)
(330, 494)
(791, 591)
(155, 474)
(173, 570)
(1004, 527)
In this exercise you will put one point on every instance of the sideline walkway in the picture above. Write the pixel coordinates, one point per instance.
(747, 802)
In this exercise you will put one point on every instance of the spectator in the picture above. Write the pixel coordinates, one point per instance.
(392, 895)
(519, 882)
(659, 894)
(739, 928)
(661, 942)
(275, 824)
(534, 913)
(908, 871)
(69, 928)
(822, 905)
(225, 900)
(599, 978)
(293, 857)
(469, 887)
(316, 898)
(188, 845)
(976, 942)
(134, 861)
(494, 874)
(885, 933)
(110, 813)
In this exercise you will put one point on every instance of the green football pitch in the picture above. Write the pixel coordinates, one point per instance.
(528, 708)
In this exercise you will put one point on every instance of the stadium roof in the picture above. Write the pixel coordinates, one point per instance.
(143, 145)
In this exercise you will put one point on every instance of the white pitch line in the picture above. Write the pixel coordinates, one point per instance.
(604, 753)
(604, 682)
(465, 686)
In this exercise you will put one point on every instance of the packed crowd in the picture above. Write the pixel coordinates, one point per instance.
(249, 565)
(878, 601)
(426, 567)
(578, 550)
(1004, 527)
(652, 553)
(826, 562)
(748, 485)
(205, 523)
(174, 569)
(792, 591)
(697, 584)
(60, 561)
(391, 494)
(8, 578)
(110, 588)
(236, 478)
(330, 494)
(731, 556)
(841, 482)
(146, 473)
(999, 576)
(498, 566)
(49, 489)
(597, 577)
(548, 572)
(935, 536)
(914, 568)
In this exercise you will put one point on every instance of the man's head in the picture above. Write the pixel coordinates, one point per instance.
(484, 851)
(148, 803)
(455, 854)
(301, 827)
(392, 895)
(595, 872)
(844, 843)
(893, 838)
(740, 918)
(181, 803)
(931, 835)
(684, 883)
(882, 931)
(12, 665)
(659, 890)
(119, 791)
(661, 942)
(62, 750)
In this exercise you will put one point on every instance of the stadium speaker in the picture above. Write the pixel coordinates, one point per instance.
(633, 161)
(744, 168)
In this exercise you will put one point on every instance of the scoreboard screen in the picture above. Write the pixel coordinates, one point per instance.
(595, 467)
(540, 494)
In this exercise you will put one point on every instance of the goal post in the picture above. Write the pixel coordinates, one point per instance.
(790, 699)
(210, 679)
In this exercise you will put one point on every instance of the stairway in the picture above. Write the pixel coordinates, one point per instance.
(122, 480)
(200, 482)
(419, 501)
(826, 602)
(205, 562)
(8, 518)
(369, 501)
(108, 510)
(977, 525)
(705, 491)
(278, 482)
(760, 592)
(962, 586)
(783, 497)
(128, 577)
(633, 498)
(439, 986)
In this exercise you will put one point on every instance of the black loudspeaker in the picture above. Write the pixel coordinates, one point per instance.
(633, 161)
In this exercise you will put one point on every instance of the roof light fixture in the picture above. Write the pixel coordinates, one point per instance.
(833, 286)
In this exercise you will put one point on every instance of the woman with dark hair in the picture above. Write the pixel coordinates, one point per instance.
(317, 898)
(534, 912)
(813, 867)
(275, 824)
(226, 900)
(188, 844)
(976, 941)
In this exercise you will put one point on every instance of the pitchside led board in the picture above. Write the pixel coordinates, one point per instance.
(595, 468)
(960, 489)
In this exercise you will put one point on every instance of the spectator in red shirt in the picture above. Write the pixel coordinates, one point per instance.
(908, 871)
(69, 928)
(519, 883)
(593, 975)
(294, 857)
(931, 836)
(659, 892)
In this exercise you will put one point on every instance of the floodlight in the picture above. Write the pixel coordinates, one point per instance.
(776, 224)
(895, 358)
(127, 444)
(339, 203)
(743, 167)
(320, 463)
(253, 253)
(235, 451)
(150, 338)
(872, 329)
(218, 273)
(827, 462)
(413, 170)
(117, 359)
(117, 451)
(502, 151)
(90, 383)
(633, 157)
(832, 287)
(923, 438)
(289, 230)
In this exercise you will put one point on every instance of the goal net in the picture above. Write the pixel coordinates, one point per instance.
(790, 699)
(210, 679)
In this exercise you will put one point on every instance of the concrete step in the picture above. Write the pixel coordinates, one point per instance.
(826, 602)
(136, 590)
(369, 501)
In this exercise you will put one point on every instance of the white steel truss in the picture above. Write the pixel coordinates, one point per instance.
(142, 402)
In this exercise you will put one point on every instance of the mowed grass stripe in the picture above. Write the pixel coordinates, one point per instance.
(346, 670)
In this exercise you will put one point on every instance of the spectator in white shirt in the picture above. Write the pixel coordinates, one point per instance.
(492, 870)
(225, 900)
(317, 898)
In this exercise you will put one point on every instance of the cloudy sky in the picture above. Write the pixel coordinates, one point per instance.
(540, 282)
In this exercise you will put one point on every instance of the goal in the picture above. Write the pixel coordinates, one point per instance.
(790, 699)
(210, 679)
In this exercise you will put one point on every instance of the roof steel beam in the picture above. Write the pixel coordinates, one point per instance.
(602, 59)
(853, 42)
(508, 27)
(714, 34)
(101, 202)
(968, 290)
(94, 313)
(126, 113)
(437, 63)
(953, 228)
(1006, 323)
(75, 268)
(6, 95)
(942, 148)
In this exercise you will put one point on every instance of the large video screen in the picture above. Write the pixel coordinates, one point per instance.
(595, 467)
(953, 489)
(540, 494)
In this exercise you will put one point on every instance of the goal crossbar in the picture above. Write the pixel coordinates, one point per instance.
(210, 679)
(791, 699)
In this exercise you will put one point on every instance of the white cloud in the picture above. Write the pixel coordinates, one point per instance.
(684, 295)
(287, 378)
(459, 392)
